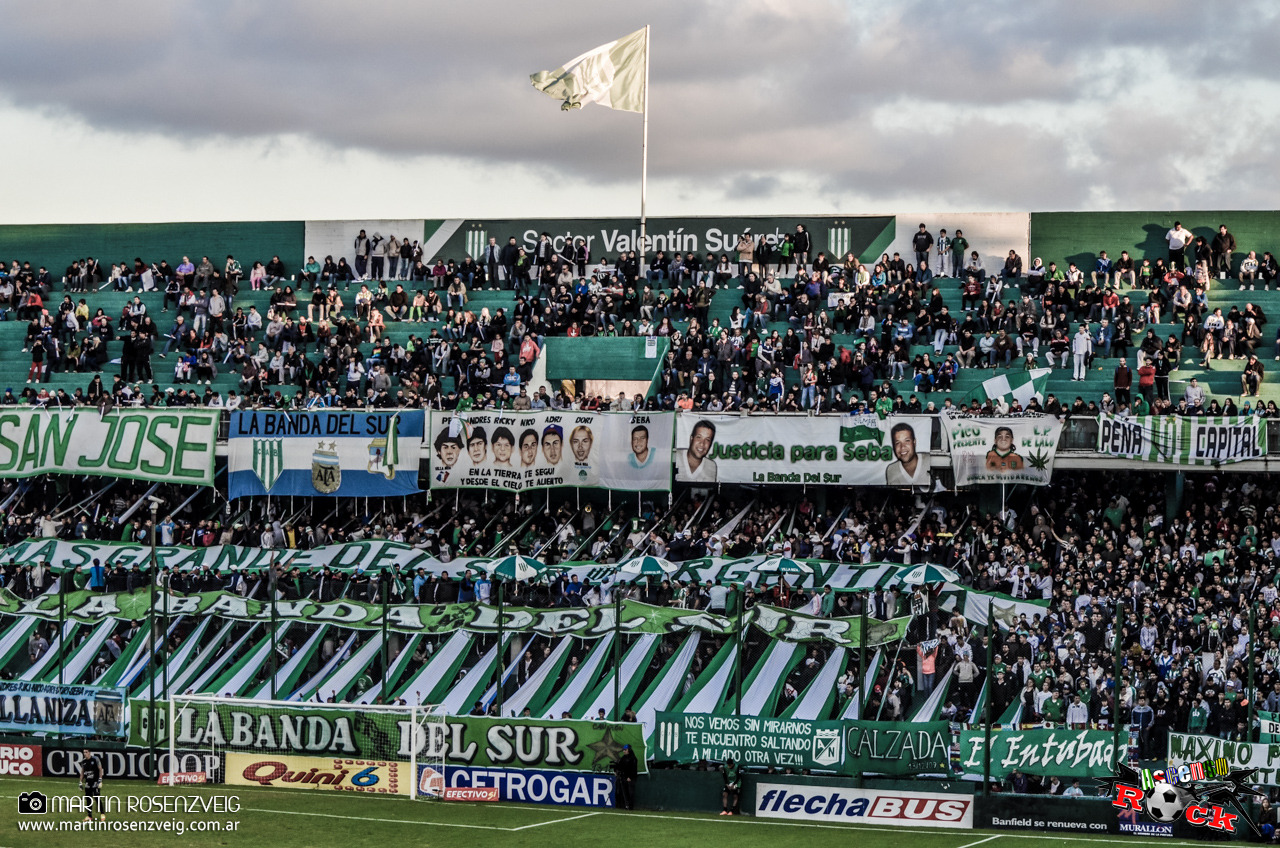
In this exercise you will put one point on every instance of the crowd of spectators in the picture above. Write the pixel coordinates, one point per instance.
(810, 332)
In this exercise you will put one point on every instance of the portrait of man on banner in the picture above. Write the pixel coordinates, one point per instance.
(694, 463)
(909, 468)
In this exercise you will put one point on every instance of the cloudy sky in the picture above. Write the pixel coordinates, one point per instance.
(180, 110)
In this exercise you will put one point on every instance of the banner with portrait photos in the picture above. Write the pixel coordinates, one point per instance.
(829, 450)
(521, 451)
(1002, 450)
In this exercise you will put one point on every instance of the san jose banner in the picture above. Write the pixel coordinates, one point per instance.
(333, 732)
(1177, 440)
(30, 707)
(849, 450)
(171, 446)
(584, 622)
(1066, 753)
(750, 740)
(1263, 756)
(517, 452)
(1002, 450)
(341, 454)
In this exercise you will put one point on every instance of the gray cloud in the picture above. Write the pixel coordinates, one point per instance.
(1015, 105)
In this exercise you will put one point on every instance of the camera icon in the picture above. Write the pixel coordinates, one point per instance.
(32, 804)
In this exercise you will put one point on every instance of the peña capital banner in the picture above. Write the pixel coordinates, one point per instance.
(334, 453)
(1002, 450)
(1178, 440)
(519, 451)
(848, 450)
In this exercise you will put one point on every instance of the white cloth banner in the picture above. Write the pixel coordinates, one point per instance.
(1003, 450)
(519, 451)
(850, 450)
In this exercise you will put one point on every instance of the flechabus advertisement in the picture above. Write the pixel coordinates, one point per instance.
(849, 450)
(517, 452)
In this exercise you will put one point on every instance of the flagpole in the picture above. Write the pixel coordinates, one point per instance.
(644, 151)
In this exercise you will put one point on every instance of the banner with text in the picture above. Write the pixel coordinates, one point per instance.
(749, 740)
(31, 707)
(172, 446)
(1177, 440)
(1263, 756)
(341, 454)
(523, 786)
(897, 747)
(537, 450)
(1066, 753)
(332, 731)
(584, 622)
(848, 450)
(1002, 450)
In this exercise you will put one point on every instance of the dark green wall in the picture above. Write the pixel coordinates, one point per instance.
(1078, 236)
(55, 246)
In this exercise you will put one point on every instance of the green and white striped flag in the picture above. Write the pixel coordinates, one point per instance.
(612, 75)
(268, 460)
(393, 441)
(1021, 386)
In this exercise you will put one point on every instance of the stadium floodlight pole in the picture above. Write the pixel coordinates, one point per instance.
(62, 631)
(1253, 692)
(385, 591)
(644, 149)
(617, 651)
(986, 707)
(1115, 698)
(151, 636)
(275, 625)
(737, 664)
(862, 659)
(497, 666)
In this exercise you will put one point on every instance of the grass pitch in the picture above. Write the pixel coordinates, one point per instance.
(290, 818)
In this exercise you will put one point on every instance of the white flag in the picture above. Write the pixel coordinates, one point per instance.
(611, 75)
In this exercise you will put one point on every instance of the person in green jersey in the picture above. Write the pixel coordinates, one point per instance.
(732, 774)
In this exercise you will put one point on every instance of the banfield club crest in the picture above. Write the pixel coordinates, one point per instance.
(326, 468)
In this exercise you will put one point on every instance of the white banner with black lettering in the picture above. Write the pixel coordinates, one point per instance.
(1179, 440)
(847, 450)
(518, 451)
(1003, 450)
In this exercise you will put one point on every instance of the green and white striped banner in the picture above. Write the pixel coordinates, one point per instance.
(1177, 440)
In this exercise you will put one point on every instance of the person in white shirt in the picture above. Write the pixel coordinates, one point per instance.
(1081, 347)
(1178, 239)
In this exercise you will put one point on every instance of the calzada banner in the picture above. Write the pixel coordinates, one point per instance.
(897, 748)
(342, 454)
(1176, 440)
(536, 450)
(166, 447)
(331, 731)
(1003, 450)
(849, 450)
(753, 741)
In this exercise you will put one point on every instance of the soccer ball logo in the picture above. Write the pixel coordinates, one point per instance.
(1165, 803)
